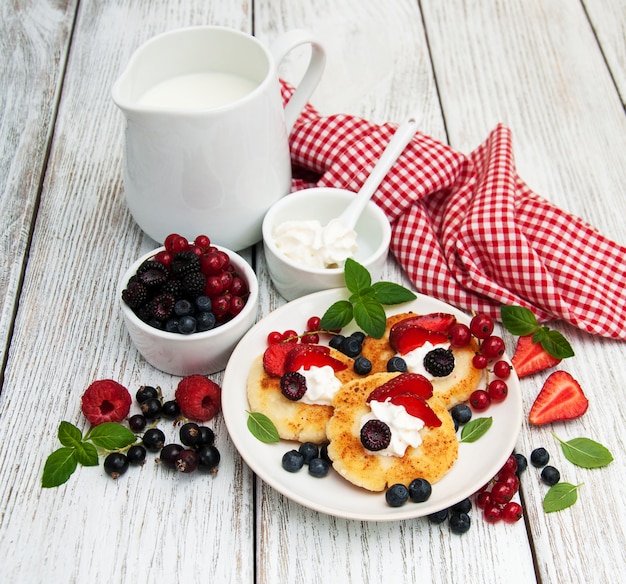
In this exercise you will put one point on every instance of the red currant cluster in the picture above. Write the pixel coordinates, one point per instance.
(495, 498)
(311, 335)
(491, 349)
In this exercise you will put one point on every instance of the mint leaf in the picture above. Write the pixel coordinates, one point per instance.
(370, 316)
(560, 496)
(585, 452)
(557, 345)
(262, 428)
(86, 454)
(518, 320)
(390, 293)
(475, 429)
(59, 467)
(69, 435)
(110, 436)
(357, 277)
(337, 316)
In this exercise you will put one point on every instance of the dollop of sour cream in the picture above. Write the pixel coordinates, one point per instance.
(415, 359)
(310, 244)
(321, 385)
(405, 428)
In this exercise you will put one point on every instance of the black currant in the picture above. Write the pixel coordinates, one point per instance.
(170, 452)
(146, 392)
(137, 423)
(170, 409)
(187, 461)
(208, 457)
(154, 439)
(151, 408)
(136, 454)
(190, 434)
(115, 464)
(207, 436)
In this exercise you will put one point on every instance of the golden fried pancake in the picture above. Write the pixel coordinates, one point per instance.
(294, 420)
(453, 389)
(375, 472)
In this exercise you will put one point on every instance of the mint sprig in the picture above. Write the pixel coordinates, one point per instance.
(476, 429)
(521, 321)
(78, 449)
(560, 496)
(365, 304)
(262, 428)
(585, 452)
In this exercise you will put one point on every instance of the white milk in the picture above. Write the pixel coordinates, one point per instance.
(197, 91)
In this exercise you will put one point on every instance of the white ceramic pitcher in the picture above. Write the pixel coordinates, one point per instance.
(206, 148)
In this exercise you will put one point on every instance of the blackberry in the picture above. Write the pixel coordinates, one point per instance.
(185, 262)
(116, 464)
(135, 294)
(375, 435)
(420, 490)
(194, 283)
(439, 362)
(173, 287)
(162, 306)
(397, 495)
(318, 467)
(396, 364)
(362, 366)
(293, 385)
(152, 274)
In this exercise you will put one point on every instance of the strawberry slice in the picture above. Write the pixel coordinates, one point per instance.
(416, 406)
(307, 356)
(412, 383)
(560, 398)
(531, 357)
(413, 332)
(274, 358)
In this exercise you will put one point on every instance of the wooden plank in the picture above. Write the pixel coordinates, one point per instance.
(535, 67)
(33, 42)
(151, 525)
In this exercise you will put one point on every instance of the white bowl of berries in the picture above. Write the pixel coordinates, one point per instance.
(187, 304)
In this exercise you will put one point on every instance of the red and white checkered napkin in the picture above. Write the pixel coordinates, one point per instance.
(466, 229)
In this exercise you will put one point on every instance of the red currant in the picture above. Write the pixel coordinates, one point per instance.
(236, 305)
(226, 278)
(479, 400)
(501, 493)
(479, 361)
(179, 243)
(313, 324)
(481, 326)
(213, 286)
(501, 369)
(221, 306)
(497, 390)
(483, 499)
(195, 249)
(164, 257)
(510, 465)
(238, 287)
(492, 513)
(310, 338)
(510, 479)
(492, 347)
(274, 338)
(203, 242)
(289, 336)
(512, 512)
(460, 335)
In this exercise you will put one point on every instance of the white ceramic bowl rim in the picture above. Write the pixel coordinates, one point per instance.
(384, 244)
(253, 288)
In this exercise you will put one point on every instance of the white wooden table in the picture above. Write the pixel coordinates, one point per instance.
(554, 71)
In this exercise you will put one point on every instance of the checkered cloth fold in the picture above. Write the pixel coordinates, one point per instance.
(466, 229)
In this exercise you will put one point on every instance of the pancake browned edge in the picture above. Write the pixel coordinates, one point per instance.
(375, 472)
(453, 389)
(294, 420)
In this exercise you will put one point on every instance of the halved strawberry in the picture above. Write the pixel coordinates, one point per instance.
(402, 384)
(560, 398)
(274, 358)
(413, 332)
(307, 356)
(531, 357)
(416, 406)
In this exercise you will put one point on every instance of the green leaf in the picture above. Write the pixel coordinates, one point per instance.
(560, 496)
(337, 316)
(557, 345)
(585, 452)
(59, 467)
(518, 320)
(357, 277)
(475, 429)
(86, 454)
(69, 435)
(370, 317)
(110, 436)
(262, 428)
(390, 293)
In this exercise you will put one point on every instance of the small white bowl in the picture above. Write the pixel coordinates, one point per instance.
(293, 280)
(197, 353)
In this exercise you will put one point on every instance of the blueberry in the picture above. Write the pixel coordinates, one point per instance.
(461, 413)
(293, 461)
(359, 336)
(396, 364)
(187, 325)
(539, 457)
(420, 490)
(116, 464)
(319, 467)
(151, 408)
(362, 366)
(438, 517)
(397, 495)
(550, 475)
(522, 463)
(136, 454)
(464, 506)
(309, 451)
(171, 325)
(324, 453)
(205, 321)
(156, 323)
(460, 522)
(350, 347)
(170, 409)
(335, 342)
(203, 303)
(183, 307)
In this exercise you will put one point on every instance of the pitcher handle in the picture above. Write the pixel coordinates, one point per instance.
(283, 45)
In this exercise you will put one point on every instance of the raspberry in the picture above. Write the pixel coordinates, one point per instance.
(198, 397)
(106, 400)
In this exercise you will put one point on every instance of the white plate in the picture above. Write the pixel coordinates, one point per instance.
(477, 462)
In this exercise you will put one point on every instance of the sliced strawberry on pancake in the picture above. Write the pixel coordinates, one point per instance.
(307, 356)
(404, 383)
(413, 332)
(274, 358)
(417, 407)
